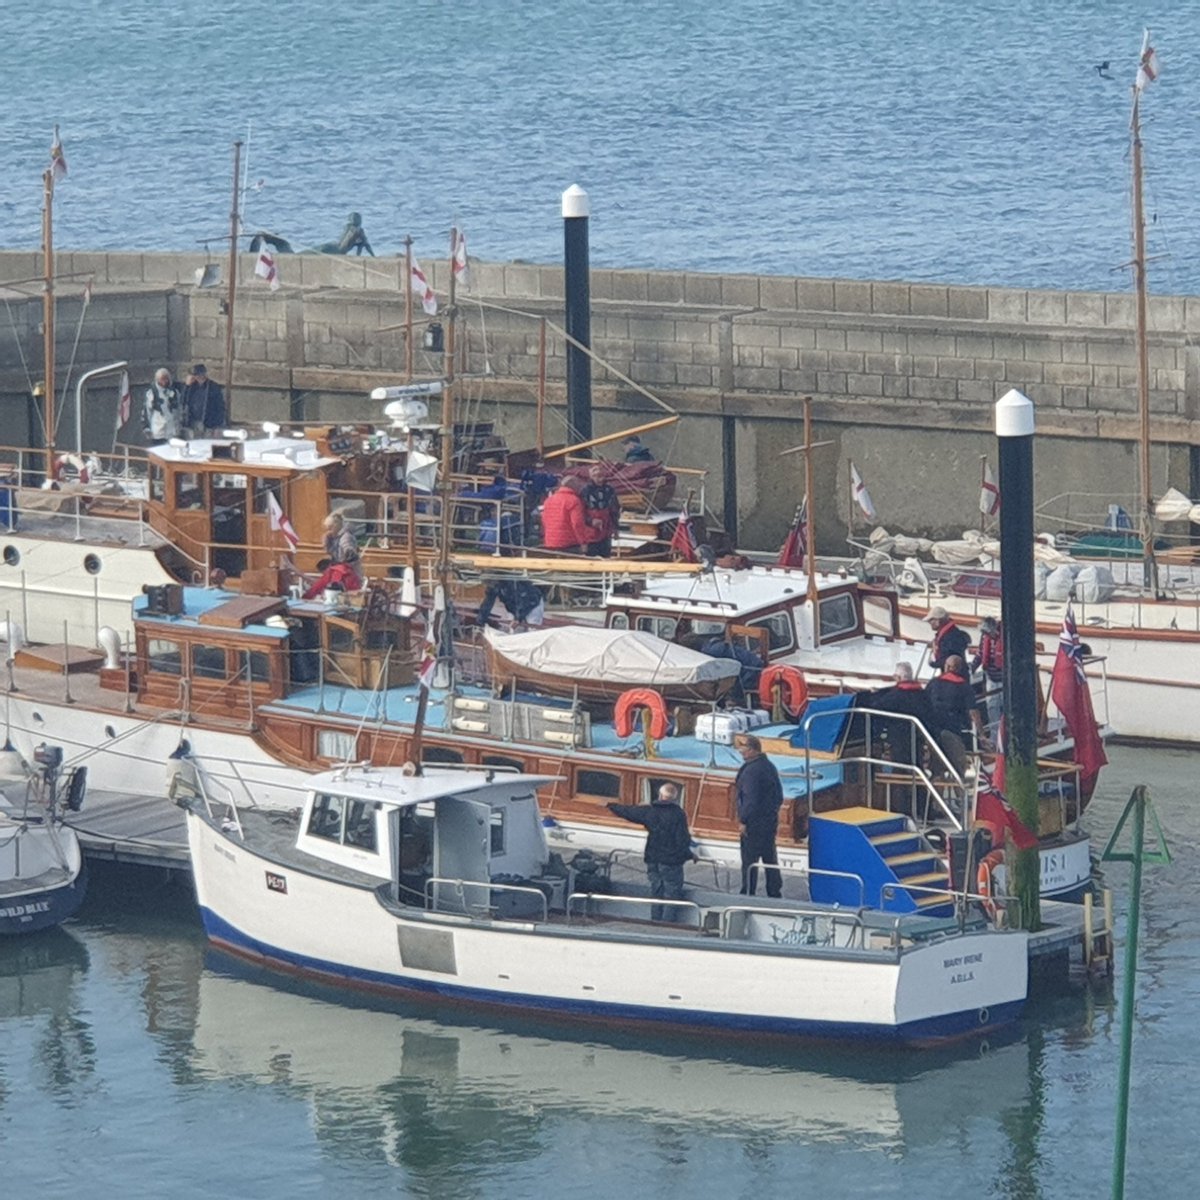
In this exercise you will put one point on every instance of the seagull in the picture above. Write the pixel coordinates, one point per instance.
(1102, 69)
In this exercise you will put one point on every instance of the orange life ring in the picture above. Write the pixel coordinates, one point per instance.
(983, 879)
(638, 699)
(791, 679)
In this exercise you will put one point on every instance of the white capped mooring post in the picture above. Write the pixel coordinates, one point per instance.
(1014, 430)
(577, 288)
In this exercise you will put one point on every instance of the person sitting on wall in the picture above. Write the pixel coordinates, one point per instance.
(353, 239)
(342, 565)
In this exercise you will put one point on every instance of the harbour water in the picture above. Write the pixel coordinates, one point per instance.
(135, 1063)
(954, 140)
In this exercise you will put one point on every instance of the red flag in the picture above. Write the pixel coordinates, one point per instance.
(420, 286)
(860, 495)
(58, 160)
(683, 540)
(1069, 691)
(265, 267)
(462, 265)
(991, 807)
(1147, 64)
(279, 521)
(794, 548)
(989, 492)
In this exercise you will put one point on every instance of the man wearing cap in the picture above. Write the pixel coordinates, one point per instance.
(203, 404)
(948, 639)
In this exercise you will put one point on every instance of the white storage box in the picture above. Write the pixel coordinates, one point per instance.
(721, 728)
(758, 717)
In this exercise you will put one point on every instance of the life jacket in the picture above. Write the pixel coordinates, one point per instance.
(939, 637)
(991, 655)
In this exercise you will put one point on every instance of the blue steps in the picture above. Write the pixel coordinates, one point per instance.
(881, 848)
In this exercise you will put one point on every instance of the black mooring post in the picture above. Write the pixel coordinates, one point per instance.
(1014, 431)
(575, 211)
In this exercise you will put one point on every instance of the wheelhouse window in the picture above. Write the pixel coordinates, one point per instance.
(164, 657)
(208, 662)
(618, 620)
(781, 633)
(189, 490)
(264, 488)
(325, 821)
(441, 754)
(504, 763)
(598, 783)
(360, 825)
(663, 627)
(650, 787)
(708, 629)
(497, 831)
(839, 617)
(158, 483)
(260, 666)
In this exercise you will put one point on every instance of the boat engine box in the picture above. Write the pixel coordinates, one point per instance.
(720, 727)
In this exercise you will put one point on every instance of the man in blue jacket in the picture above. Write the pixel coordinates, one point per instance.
(759, 799)
(668, 845)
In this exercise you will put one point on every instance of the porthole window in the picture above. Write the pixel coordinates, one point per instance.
(12, 555)
(91, 564)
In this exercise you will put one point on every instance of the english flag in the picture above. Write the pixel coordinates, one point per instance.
(989, 492)
(279, 521)
(462, 265)
(1147, 64)
(795, 545)
(429, 659)
(862, 497)
(420, 285)
(124, 401)
(58, 160)
(1069, 691)
(683, 540)
(265, 267)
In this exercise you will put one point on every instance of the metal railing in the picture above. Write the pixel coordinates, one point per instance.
(460, 888)
(602, 898)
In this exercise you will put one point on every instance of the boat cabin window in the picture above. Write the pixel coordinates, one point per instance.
(663, 627)
(208, 663)
(839, 617)
(326, 818)
(499, 760)
(164, 656)
(708, 629)
(497, 831)
(360, 825)
(878, 615)
(189, 490)
(441, 754)
(264, 488)
(260, 666)
(598, 783)
(781, 633)
(158, 483)
(336, 744)
(618, 620)
(649, 789)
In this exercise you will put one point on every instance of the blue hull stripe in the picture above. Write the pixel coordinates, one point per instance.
(935, 1029)
(41, 910)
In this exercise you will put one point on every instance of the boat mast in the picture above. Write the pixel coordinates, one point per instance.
(234, 231)
(48, 309)
(810, 557)
(1145, 522)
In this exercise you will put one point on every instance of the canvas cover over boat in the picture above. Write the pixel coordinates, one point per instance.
(627, 657)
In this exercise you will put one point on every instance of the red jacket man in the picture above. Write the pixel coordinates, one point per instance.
(564, 520)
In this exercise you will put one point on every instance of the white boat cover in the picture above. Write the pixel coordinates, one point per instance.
(611, 655)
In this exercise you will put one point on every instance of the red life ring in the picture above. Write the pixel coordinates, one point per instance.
(638, 699)
(983, 880)
(791, 679)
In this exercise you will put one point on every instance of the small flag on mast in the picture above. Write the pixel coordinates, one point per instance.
(124, 401)
(989, 492)
(462, 265)
(279, 521)
(861, 496)
(1147, 63)
(1069, 691)
(429, 659)
(420, 286)
(791, 553)
(58, 160)
(683, 540)
(265, 267)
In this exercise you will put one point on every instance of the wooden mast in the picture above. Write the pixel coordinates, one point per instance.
(234, 231)
(810, 557)
(1146, 502)
(408, 314)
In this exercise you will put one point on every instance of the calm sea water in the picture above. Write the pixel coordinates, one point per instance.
(132, 1063)
(956, 140)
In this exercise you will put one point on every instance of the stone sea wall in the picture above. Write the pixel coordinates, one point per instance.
(902, 375)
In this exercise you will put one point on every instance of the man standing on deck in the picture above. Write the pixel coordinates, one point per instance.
(759, 799)
(565, 527)
(948, 639)
(668, 845)
(603, 510)
(163, 414)
(203, 404)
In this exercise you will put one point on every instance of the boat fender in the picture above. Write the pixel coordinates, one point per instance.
(638, 699)
(792, 683)
(984, 883)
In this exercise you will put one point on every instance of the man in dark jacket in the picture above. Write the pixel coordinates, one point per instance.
(668, 845)
(203, 404)
(759, 799)
(948, 639)
(953, 700)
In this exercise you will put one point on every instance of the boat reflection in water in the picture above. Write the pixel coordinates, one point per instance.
(388, 1083)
